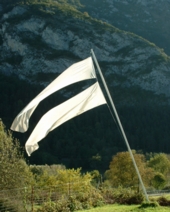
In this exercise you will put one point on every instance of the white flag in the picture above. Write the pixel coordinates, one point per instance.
(84, 101)
(77, 72)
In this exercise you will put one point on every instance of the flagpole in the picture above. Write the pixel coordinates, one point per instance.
(120, 125)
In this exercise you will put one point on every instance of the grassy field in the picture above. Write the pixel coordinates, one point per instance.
(125, 208)
(131, 208)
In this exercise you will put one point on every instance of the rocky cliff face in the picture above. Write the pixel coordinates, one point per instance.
(39, 41)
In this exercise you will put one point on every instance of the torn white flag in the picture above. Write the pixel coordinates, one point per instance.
(77, 72)
(84, 101)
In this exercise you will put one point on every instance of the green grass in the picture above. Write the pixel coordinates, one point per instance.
(126, 208)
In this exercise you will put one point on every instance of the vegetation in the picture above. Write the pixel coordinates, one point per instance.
(70, 190)
(122, 171)
(154, 172)
(13, 169)
(77, 142)
(14, 172)
(125, 208)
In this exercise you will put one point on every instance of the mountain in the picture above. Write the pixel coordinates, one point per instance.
(148, 19)
(40, 39)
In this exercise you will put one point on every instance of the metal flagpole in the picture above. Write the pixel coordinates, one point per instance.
(120, 125)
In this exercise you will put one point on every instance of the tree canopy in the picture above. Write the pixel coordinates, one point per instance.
(122, 172)
(160, 163)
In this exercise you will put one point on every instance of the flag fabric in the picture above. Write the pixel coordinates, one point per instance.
(77, 72)
(84, 101)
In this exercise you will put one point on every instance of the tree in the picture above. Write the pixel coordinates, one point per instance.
(160, 163)
(45, 175)
(65, 180)
(122, 171)
(72, 180)
(14, 171)
(159, 181)
(97, 178)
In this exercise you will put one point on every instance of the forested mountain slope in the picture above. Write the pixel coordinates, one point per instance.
(40, 39)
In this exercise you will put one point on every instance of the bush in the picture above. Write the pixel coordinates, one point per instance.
(47, 207)
(6, 206)
(163, 201)
(91, 199)
(85, 200)
(79, 201)
(149, 204)
(74, 203)
(59, 206)
(122, 196)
